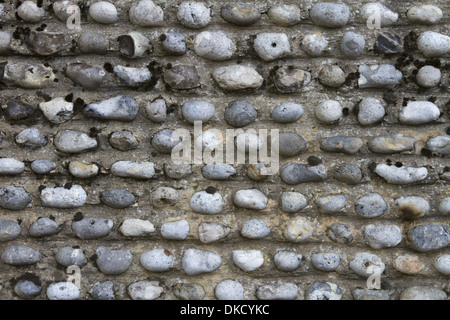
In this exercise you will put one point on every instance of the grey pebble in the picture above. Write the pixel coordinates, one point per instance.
(295, 173)
(326, 261)
(218, 171)
(348, 173)
(428, 76)
(196, 261)
(240, 113)
(352, 44)
(9, 230)
(287, 112)
(314, 44)
(444, 206)
(289, 80)
(330, 15)
(424, 14)
(117, 198)
(283, 291)
(93, 42)
(366, 264)
(43, 227)
(165, 140)
(214, 45)
(391, 144)
(27, 289)
(193, 15)
(85, 75)
(271, 46)
(195, 110)
(340, 233)
(121, 108)
(423, 293)
(145, 290)
(14, 198)
(43, 166)
(387, 16)
(133, 169)
(250, 199)
(103, 291)
(298, 230)
(176, 230)
(31, 137)
(287, 260)
(419, 112)
(237, 77)
(433, 44)
(123, 140)
(347, 145)
(63, 291)
(291, 144)
(73, 196)
(255, 229)
(382, 236)
(241, 14)
(157, 260)
(5, 42)
(69, 256)
(285, 14)
(134, 77)
(248, 260)
(366, 294)
(174, 43)
(332, 76)
(411, 207)
(113, 262)
(207, 202)
(164, 196)
(370, 111)
(92, 228)
(442, 264)
(429, 237)
(209, 232)
(378, 76)
(157, 110)
(146, 13)
(134, 45)
(328, 112)
(57, 110)
(322, 290)
(103, 12)
(401, 175)
(229, 290)
(292, 202)
(30, 12)
(331, 203)
(177, 171)
(11, 166)
(71, 141)
(371, 205)
(20, 255)
(189, 291)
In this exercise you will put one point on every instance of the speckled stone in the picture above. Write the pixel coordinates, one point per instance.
(287, 260)
(366, 264)
(331, 203)
(424, 14)
(63, 291)
(43, 227)
(298, 230)
(401, 175)
(314, 44)
(428, 76)
(237, 77)
(196, 261)
(433, 44)
(295, 173)
(340, 233)
(291, 144)
(43, 166)
(214, 45)
(189, 291)
(218, 171)
(92, 228)
(271, 46)
(73, 196)
(193, 15)
(27, 289)
(292, 202)
(321, 290)
(382, 236)
(348, 173)
(164, 196)
(255, 229)
(391, 144)
(283, 291)
(408, 264)
(70, 141)
(197, 110)
(429, 237)
(332, 76)
(240, 113)
(5, 42)
(378, 76)
(9, 230)
(113, 262)
(250, 199)
(370, 111)
(157, 260)
(419, 112)
(325, 261)
(328, 112)
(174, 43)
(285, 14)
(46, 43)
(423, 293)
(248, 260)
(229, 290)
(175, 230)
(209, 232)
(103, 12)
(165, 140)
(146, 13)
(177, 171)
(241, 14)
(352, 44)
(21, 255)
(103, 291)
(289, 80)
(117, 198)
(207, 202)
(330, 15)
(30, 76)
(287, 112)
(14, 198)
(371, 205)
(156, 110)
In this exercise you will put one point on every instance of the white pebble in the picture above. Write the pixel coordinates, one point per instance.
(103, 12)
(248, 260)
(328, 112)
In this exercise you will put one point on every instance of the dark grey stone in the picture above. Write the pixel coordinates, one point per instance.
(174, 43)
(291, 144)
(123, 140)
(113, 262)
(93, 42)
(69, 256)
(18, 110)
(85, 75)
(429, 237)
(295, 173)
(388, 43)
(348, 173)
(240, 113)
(92, 228)
(117, 198)
(165, 140)
(14, 198)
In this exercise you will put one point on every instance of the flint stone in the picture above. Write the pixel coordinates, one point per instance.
(133, 169)
(189, 291)
(391, 144)
(19, 255)
(45, 43)
(157, 260)
(136, 228)
(289, 80)
(92, 228)
(133, 77)
(419, 112)
(14, 198)
(113, 262)
(330, 15)
(429, 237)
(402, 175)
(145, 290)
(379, 76)
(64, 198)
(117, 198)
(43, 227)
(57, 110)
(215, 46)
(18, 110)
(9, 230)
(11, 166)
(206, 202)
(237, 77)
(248, 260)
(176, 230)
(27, 289)
(347, 145)
(29, 76)
(68, 256)
(209, 232)
(85, 75)
(123, 140)
(382, 236)
(287, 260)
(284, 291)
(295, 173)
(121, 108)
(182, 77)
(63, 291)
(241, 14)
(195, 261)
(193, 15)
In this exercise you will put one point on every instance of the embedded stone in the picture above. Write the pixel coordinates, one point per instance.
(69, 256)
(287, 260)
(328, 112)
(347, 145)
(382, 236)
(14, 198)
(325, 261)
(165, 140)
(411, 207)
(298, 230)
(134, 77)
(134, 45)
(248, 260)
(348, 173)
(11, 166)
(157, 110)
(145, 290)
(5, 42)
(30, 12)
(193, 15)
(93, 42)
(240, 113)
(292, 202)
(388, 43)
(252, 199)
(340, 233)
(117, 198)
(133, 169)
(366, 294)
(182, 77)
(209, 232)
(29, 76)
(189, 291)
(196, 261)
(113, 262)
(136, 228)
(64, 9)
(72, 196)
(103, 12)
(366, 264)
(44, 166)
(84, 171)
(27, 289)
(433, 44)
(255, 229)
(174, 43)
(330, 15)
(57, 110)
(195, 110)
(146, 13)
(444, 206)
(209, 141)
(271, 46)
(370, 111)
(121, 108)
(214, 45)
(63, 291)
(391, 144)
(442, 264)
(176, 230)
(177, 171)
(291, 144)
(237, 77)
(43, 227)
(85, 75)
(419, 112)
(428, 76)
(408, 264)
(283, 291)
(17, 110)
(46, 43)
(331, 203)
(387, 16)
(371, 205)
(378, 76)
(314, 44)
(248, 142)
(295, 173)
(9, 230)
(164, 196)
(218, 171)
(424, 14)
(103, 291)
(322, 290)
(423, 293)
(287, 112)
(31, 137)
(123, 140)
(401, 175)
(20, 255)
(289, 80)
(92, 228)
(207, 202)
(429, 237)
(352, 44)
(241, 14)
(157, 260)
(285, 15)
(332, 76)
(229, 290)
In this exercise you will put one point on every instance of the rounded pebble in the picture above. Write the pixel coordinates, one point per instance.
(146, 13)
(198, 111)
(328, 112)
(371, 205)
(325, 261)
(442, 264)
(298, 230)
(83, 171)
(287, 112)
(189, 291)
(255, 229)
(209, 232)
(332, 76)
(43, 227)
(291, 144)
(284, 291)
(20, 255)
(207, 202)
(176, 230)
(379, 76)
(321, 290)
(103, 12)
(428, 76)
(44, 166)
(31, 137)
(69, 256)
(408, 264)
(174, 43)
(157, 260)
(295, 173)
(215, 46)
(92, 42)
(165, 140)
(429, 237)
(237, 77)
(193, 15)
(284, 14)
(117, 198)
(136, 228)
(419, 112)
(411, 207)
(342, 144)
(92, 228)
(330, 15)
(30, 12)
(433, 44)
(103, 291)
(70, 196)
(27, 289)
(340, 233)
(366, 264)
(248, 260)
(70, 141)
(9, 230)
(387, 16)
(63, 291)
(287, 260)
(113, 262)
(423, 293)
(133, 169)
(401, 175)
(424, 14)
(218, 171)
(241, 14)
(314, 44)
(164, 196)
(370, 111)
(444, 206)
(229, 290)
(382, 236)
(123, 140)
(11, 166)
(348, 173)
(240, 113)
(250, 199)
(271, 46)
(145, 290)
(352, 44)
(196, 261)
(14, 198)
(331, 203)
(292, 202)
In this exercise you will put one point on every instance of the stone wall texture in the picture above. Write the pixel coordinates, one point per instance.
(325, 248)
